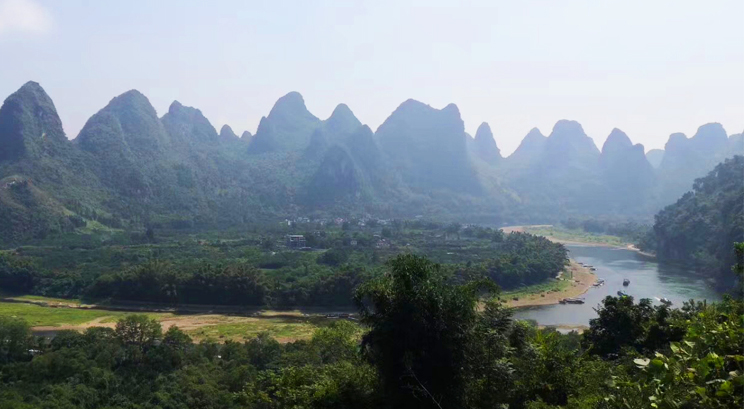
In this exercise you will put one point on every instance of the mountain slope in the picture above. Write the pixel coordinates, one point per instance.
(654, 157)
(44, 179)
(627, 175)
(484, 146)
(529, 150)
(187, 125)
(686, 159)
(428, 147)
(341, 123)
(337, 179)
(226, 133)
(128, 168)
(558, 174)
(288, 127)
(29, 124)
(129, 144)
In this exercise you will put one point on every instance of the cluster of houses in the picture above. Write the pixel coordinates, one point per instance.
(382, 243)
(298, 242)
(338, 221)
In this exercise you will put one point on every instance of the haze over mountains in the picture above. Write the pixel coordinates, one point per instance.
(130, 168)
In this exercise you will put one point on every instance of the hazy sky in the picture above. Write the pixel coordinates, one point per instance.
(649, 68)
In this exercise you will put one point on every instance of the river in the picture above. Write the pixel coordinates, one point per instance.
(648, 279)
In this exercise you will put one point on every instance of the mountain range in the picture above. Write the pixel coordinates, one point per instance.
(130, 168)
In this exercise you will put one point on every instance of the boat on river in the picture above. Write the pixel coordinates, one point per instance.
(626, 282)
(572, 301)
(622, 294)
(599, 283)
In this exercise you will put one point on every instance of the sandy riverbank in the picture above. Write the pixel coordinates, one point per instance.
(580, 281)
(582, 277)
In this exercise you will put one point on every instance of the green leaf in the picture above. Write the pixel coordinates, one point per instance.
(642, 362)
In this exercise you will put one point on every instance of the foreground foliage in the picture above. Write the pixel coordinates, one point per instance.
(426, 342)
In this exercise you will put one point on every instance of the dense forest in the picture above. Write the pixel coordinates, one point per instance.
(130, 169)
(697, 230)
(258, 269)
(424, 341)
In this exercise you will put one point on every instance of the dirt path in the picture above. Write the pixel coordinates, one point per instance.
(98, 322)
(581, 281)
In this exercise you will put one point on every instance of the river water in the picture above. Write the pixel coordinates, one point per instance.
(648, 279)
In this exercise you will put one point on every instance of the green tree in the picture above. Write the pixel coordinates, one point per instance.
(386, 232)
(139, 331)
(15, 340)
(622, 324)
(420, 327)
(703, 371)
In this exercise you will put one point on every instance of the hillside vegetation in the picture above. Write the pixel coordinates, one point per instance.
(699, 228)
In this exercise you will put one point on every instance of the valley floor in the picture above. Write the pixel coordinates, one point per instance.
(222, 323)
(49, 315)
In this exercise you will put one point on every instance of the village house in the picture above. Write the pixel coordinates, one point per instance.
(295, 241)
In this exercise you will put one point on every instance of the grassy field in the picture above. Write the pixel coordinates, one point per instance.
(551, 285)
(283, 326)
(282, 329)
(46, 299)
(37, 315)
(578, 236)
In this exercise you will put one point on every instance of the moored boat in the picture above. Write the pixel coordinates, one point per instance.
(572, 301)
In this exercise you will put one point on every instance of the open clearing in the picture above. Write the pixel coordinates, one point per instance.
(284, 326)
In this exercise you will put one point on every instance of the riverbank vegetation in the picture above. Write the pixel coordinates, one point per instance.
(423, 342)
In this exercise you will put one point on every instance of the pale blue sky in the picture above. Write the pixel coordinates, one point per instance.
(649, 68)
